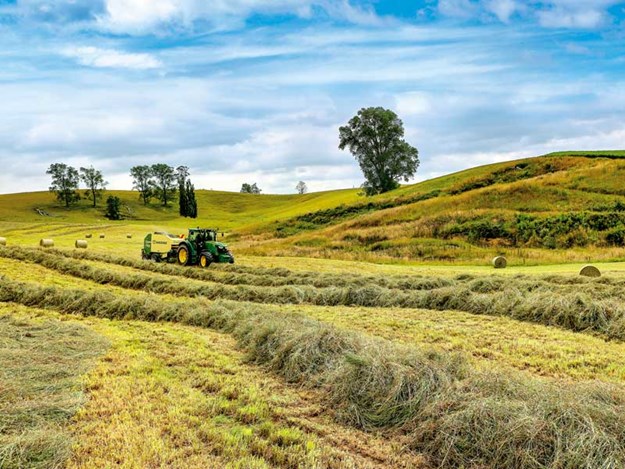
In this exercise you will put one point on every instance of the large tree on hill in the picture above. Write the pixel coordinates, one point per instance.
(64, 183)
(95, 183)
(164, 182)
(142, 181)
(375, 136)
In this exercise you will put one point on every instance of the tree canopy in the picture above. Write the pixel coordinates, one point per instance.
(186, 193)
(164, 182)
(141, 181)
(301, 187)
(95, 183)
(375, 136)
(247, 188)
(65, 181)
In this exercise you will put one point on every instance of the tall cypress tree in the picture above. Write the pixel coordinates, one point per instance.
(182, 174)
(191, 202)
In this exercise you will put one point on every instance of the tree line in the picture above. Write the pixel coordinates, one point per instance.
(159, 181)
(375, 136)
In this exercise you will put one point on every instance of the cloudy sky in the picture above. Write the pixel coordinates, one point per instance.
(255, 90)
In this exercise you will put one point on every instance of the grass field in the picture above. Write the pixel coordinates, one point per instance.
(350, 333)
(258, 381)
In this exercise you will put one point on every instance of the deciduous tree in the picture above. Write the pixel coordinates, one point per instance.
(95, 183)
(64, 183)
(375, 136)
(142, 181)
(164, 182)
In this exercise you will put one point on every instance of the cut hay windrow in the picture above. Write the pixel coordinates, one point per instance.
(575, 309)
(267, 277)
(262, 276)
(455, 415)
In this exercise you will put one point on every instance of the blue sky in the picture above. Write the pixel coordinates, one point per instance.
(254, 91)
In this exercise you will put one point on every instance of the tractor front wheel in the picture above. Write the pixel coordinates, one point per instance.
(183, 255)
(205, 260)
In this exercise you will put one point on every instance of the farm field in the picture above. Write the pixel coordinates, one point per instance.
(260, 366)
(327, 344)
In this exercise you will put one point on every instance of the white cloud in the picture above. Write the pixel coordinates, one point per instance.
(145, 16)
(585, 18)
(502, 9)
(110, 58)
(458, 8)
(412, 103)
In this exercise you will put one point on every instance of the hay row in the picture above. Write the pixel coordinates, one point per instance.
(576, 311)
(455, 415)
(262, 277)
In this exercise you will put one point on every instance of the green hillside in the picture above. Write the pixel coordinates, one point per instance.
(573, 207)
(561, 207)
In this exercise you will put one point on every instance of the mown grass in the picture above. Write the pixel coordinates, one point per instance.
(579, 306)
(42, 363)
(173, 396)
(493, 342)
(456, 415)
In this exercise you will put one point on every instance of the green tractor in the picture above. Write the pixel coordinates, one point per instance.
(199, 247)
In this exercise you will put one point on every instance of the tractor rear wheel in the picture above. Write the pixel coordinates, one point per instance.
(205, 260)
(183, 255)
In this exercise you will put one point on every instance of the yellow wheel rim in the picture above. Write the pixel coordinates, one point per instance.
(182, 256)
(203, 261)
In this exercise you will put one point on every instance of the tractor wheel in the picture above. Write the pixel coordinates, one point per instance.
(205, 260)
(156, 257)
(183, 255)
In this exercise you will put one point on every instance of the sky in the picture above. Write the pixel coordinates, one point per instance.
(254, 91)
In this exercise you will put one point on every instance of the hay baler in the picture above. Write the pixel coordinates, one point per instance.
(199, 247)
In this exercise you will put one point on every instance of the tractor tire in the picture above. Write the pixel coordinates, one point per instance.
(156, 257)
(206, 259)
(183, 255)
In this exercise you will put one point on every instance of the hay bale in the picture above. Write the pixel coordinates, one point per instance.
(500, 262)
(80, 244)
(590, 271)
(46, 243)
(88, 235)
(101, 235)
(3, 241)
(129, 236)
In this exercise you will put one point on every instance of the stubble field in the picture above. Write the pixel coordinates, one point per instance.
(305, 363)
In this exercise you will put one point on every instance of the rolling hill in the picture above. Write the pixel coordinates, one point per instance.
(536, 206)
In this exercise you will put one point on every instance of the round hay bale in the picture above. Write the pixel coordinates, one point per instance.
(3, 241)
(88, 235)
(500, 262)
(80, 244)
(590, 271)
(46, 243)
(129, 236)
(102, 236)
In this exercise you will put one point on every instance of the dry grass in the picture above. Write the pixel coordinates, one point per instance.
(43, 360)
(373, 383)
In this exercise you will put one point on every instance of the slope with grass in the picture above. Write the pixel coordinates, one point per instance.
(567, 207)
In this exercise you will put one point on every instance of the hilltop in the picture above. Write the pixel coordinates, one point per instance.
(567, 200)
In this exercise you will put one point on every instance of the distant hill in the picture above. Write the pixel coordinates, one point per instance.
(573, 201)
